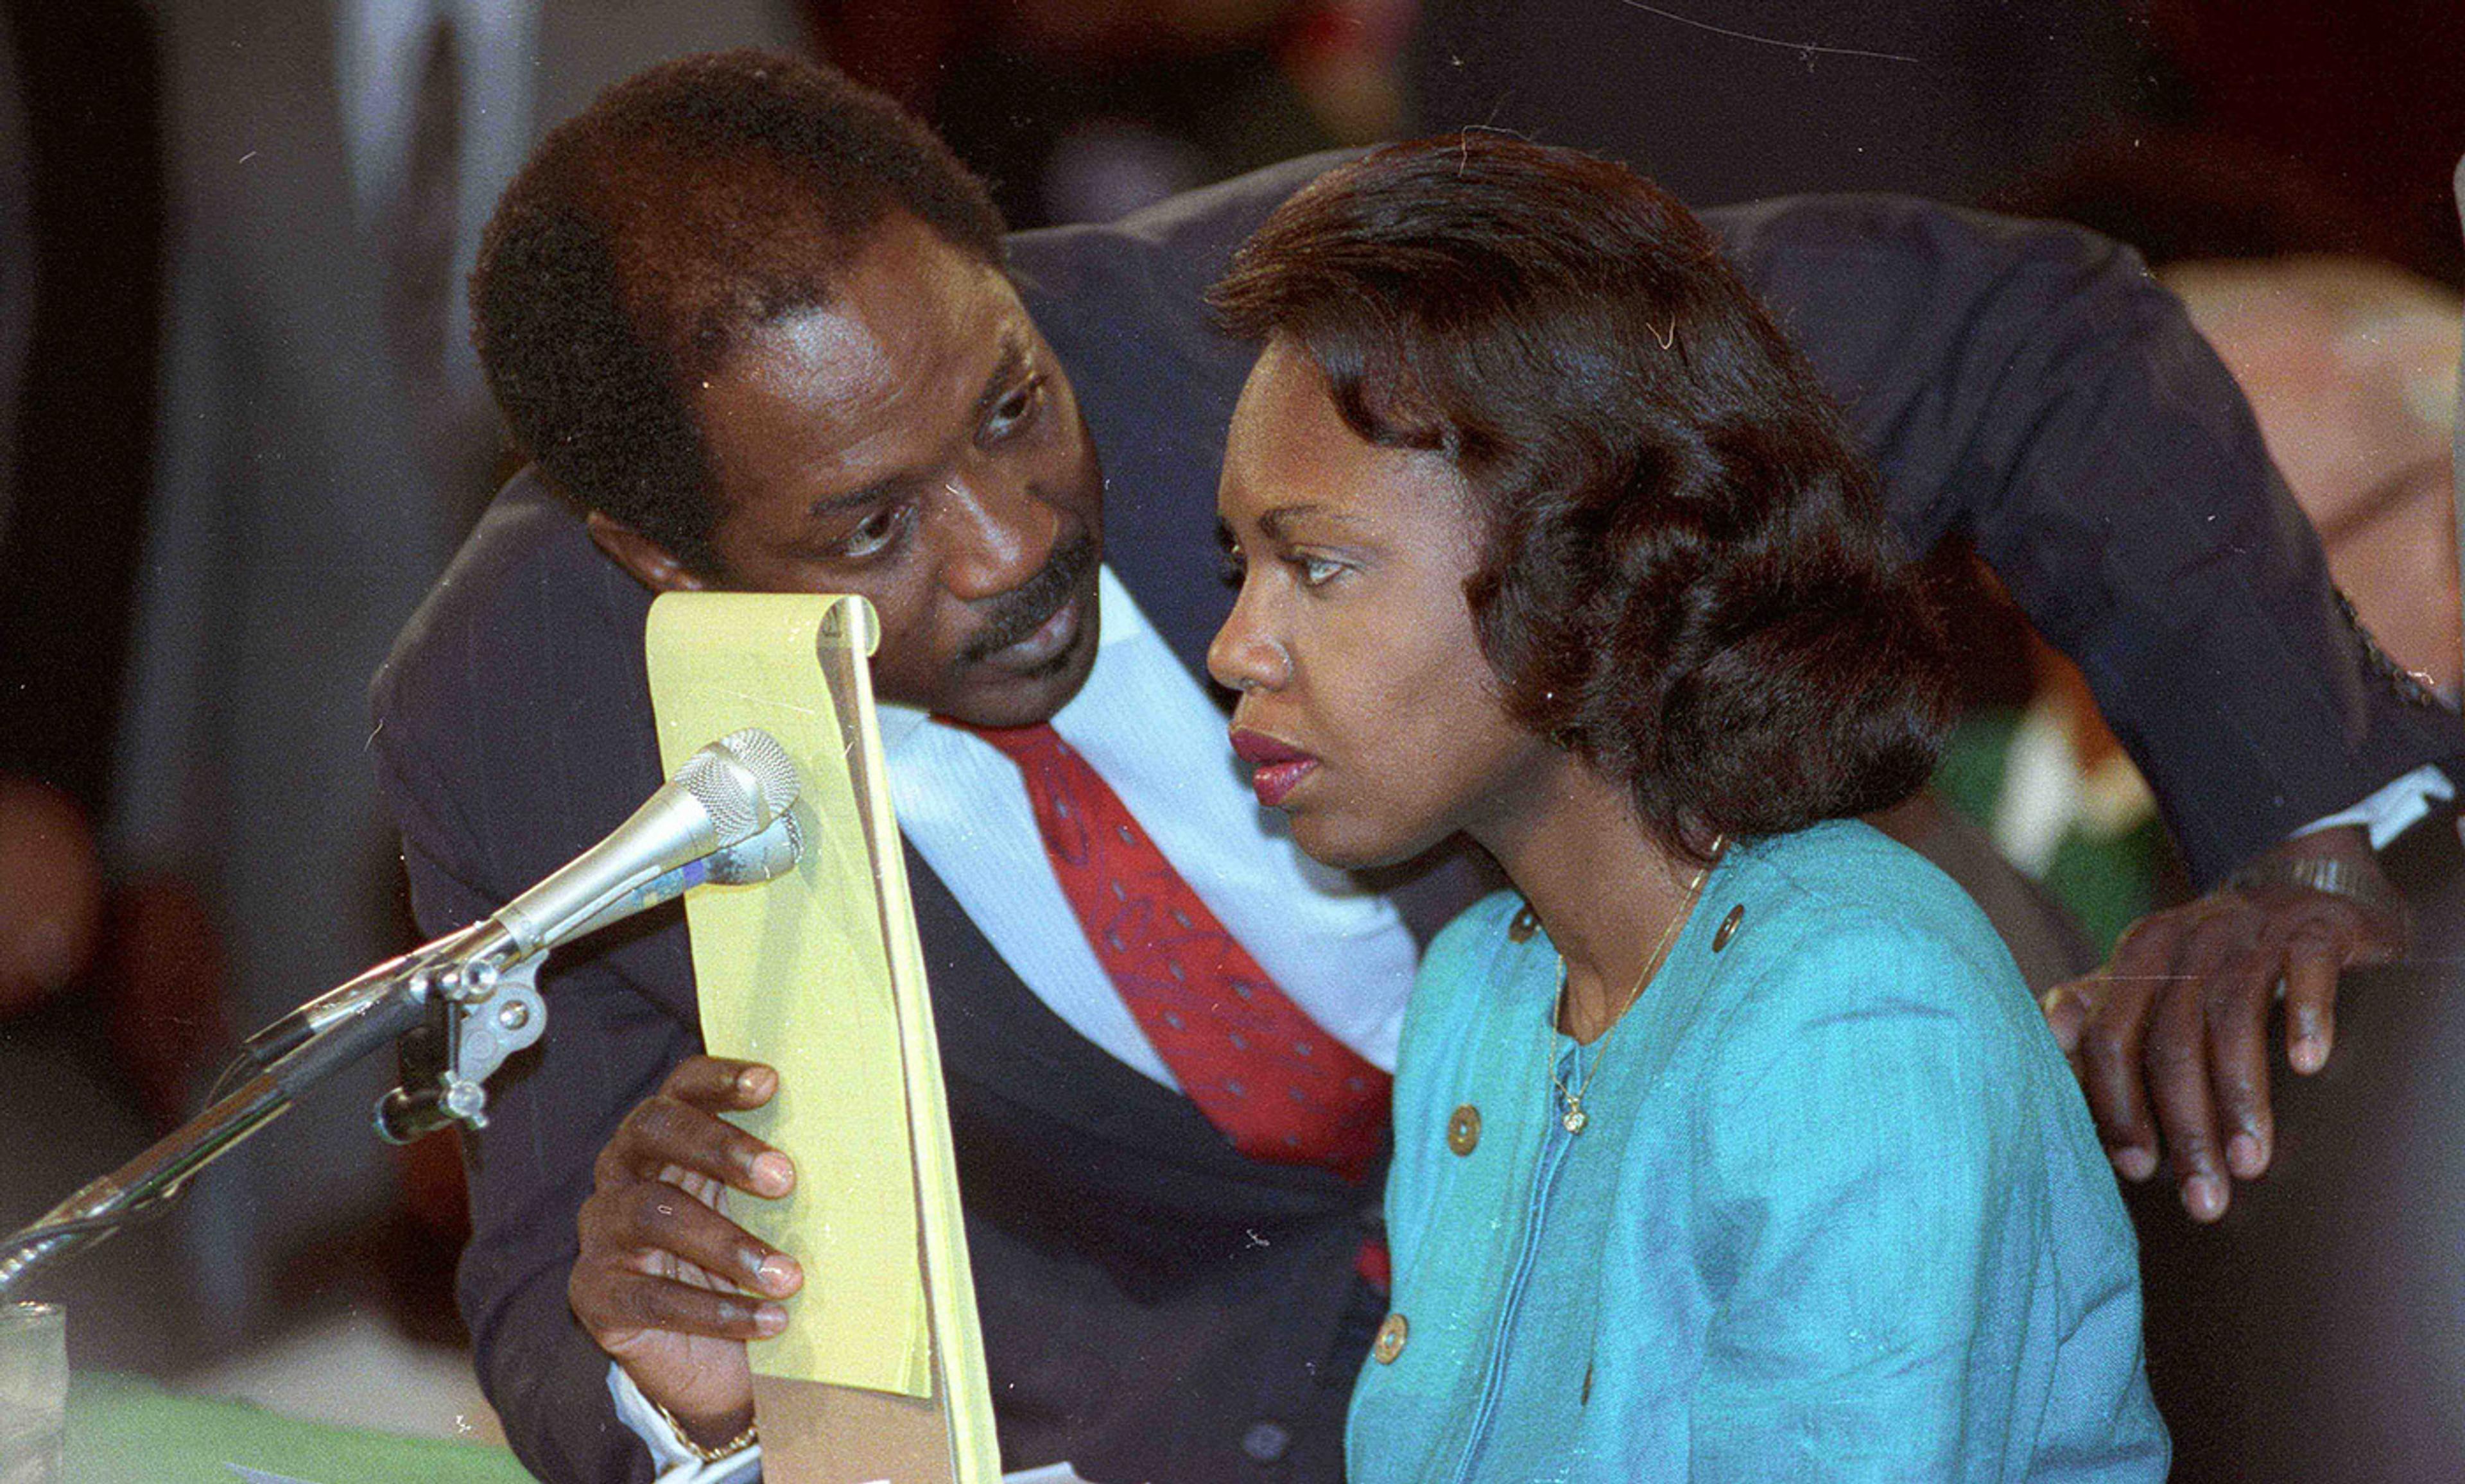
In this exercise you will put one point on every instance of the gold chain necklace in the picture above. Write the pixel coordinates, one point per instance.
(1571, 1115)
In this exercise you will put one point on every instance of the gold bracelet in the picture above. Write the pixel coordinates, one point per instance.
(734, 1446)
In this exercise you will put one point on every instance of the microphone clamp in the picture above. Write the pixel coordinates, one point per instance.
(479, 1015)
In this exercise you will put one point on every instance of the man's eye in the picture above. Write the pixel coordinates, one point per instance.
(1235, 566)
(877, 534)
(1014, 411)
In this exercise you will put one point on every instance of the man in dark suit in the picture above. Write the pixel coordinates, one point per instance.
(760, 328)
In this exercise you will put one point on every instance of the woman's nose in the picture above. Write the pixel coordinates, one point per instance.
(1244, 655)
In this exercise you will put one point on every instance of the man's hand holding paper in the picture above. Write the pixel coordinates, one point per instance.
(666, 1284)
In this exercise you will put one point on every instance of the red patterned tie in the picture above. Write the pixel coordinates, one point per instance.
(1280, 1088)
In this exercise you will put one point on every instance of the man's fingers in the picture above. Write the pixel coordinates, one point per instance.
(2237, 995)
(2172, 1033)
(668, 1131)
(649, 1224)
(2067, 1008)
(2178, 1083)
(720, 1084)
(618, 1308)
(2312, 960)
(650, 1253)
(2109, 1068)
(2115, 1032)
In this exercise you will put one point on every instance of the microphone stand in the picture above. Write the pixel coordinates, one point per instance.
(477, 990)
(461, 1005)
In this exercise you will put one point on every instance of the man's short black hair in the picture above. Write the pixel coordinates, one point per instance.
(1686, 576)
(692, 202)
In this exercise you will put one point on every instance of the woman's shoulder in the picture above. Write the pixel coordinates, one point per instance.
(1844, 889)
(1839, 926)
(1875, 992)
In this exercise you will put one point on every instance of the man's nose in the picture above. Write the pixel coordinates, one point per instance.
(997, 533)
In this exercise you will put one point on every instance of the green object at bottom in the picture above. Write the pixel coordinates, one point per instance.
(126, 1430)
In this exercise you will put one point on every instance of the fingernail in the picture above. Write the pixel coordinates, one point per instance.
(753, 1081)
(2246, 1155)
(778, 1273)
(2306, 1055)
(772, 1174)
(2135, 1163)
(2065, 1029)
(2204, 1196)
(769, 1318)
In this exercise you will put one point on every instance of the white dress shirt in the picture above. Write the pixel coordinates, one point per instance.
(1143, 724)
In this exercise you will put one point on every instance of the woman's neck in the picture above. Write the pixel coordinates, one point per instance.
(1609, 895)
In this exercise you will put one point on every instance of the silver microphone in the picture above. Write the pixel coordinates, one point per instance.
(769, 856)
(724, 796)
(724, 818)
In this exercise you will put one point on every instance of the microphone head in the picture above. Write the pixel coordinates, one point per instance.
(743, 780)
(770, 762)
(769, 855)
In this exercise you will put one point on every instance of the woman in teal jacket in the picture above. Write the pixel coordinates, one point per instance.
(1729, 1145)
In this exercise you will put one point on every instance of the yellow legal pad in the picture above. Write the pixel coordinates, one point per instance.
(820, 975)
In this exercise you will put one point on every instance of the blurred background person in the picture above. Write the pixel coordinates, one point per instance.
(2351, 366)
(324, 442)
(80, 235)
(1082, 110)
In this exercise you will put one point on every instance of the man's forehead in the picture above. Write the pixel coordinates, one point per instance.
(907, 305)
(878, 385)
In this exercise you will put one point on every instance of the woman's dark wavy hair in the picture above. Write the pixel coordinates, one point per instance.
(1686, 577)
(689, 204)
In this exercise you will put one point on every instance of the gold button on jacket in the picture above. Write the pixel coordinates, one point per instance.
(1390, 1342)
(1463, 1130)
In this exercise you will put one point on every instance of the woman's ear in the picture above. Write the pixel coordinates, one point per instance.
(651, 565)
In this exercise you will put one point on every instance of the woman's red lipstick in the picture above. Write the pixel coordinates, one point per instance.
(1275, 768)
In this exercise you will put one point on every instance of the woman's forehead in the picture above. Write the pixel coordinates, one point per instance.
(1291, 457)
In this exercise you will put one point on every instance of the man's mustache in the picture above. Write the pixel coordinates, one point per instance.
(1022, 610)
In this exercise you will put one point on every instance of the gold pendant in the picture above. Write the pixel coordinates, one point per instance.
(1574, 1120)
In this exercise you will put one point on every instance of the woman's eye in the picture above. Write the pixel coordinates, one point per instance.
(1315, 571)
(874, 535)
(1016, 411)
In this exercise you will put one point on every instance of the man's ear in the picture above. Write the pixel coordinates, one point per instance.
(651, 565)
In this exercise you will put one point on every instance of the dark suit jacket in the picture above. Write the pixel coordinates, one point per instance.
(1153, 1304)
